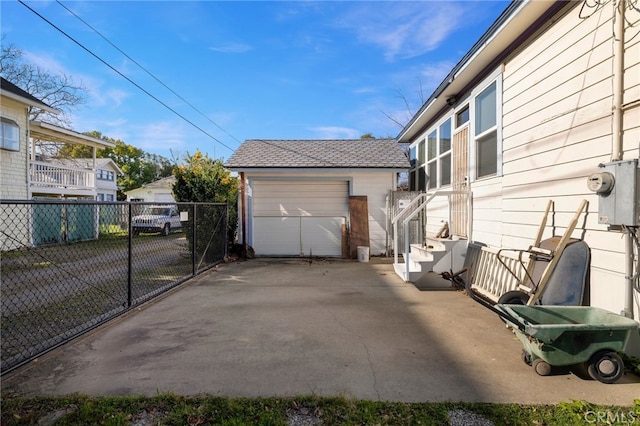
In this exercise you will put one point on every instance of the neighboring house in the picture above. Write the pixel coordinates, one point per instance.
(106, 174)
(160, 191)
(56, 178)
(14, 148)
(27, 173)
(547, 94)
(297, 196)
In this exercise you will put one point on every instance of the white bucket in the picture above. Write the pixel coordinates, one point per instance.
(363, 254)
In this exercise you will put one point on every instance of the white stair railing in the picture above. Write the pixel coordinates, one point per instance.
(415, 207)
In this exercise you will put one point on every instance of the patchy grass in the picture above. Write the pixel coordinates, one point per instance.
(170, 409)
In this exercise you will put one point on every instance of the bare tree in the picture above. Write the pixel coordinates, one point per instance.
(59, 91)
(401, 121)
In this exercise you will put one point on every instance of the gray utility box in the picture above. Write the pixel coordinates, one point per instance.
(618, 187)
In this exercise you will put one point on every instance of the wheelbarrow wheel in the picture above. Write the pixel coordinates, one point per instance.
(513, 297)
(542, 368)
(606, 367)
(582, 371)
(526, 357)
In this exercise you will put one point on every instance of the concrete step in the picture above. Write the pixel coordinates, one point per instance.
(414, 274)
(419, 261)
(418, 257)
(437, 255)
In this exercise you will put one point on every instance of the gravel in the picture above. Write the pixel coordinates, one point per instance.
(467, 418)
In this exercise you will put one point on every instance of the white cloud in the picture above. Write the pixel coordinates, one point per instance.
(364, 90)
(432, 75)
(231, 48)
(159, 136)
(332, 132)
(116, 123)
(405, 29)
(46, 62)
(115, 97)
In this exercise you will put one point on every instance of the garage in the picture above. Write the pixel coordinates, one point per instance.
(293, 218)
(295, 196)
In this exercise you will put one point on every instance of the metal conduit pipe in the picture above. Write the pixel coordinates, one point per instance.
(618, 80)
(617, 148)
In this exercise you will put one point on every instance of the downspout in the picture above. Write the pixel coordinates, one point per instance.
(617, 149)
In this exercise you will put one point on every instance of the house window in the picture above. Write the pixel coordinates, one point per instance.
(486, 131)
(445, 153)
(462, 116)
(10, 135)
(439, 156)
(109, 197)
(432, 168)
(105, 175)
(413, 161)
(417, 175)
(422, 176)
(100, 197)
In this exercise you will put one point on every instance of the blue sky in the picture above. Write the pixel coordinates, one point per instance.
(258, 70)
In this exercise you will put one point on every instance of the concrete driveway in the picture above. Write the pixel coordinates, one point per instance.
(286, 327)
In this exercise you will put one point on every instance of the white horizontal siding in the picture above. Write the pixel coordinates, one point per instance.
(557, 125)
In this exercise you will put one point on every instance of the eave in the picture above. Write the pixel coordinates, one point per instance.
(53, 133)
(516, 24)
(29, 102)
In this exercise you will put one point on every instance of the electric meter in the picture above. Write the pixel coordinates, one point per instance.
(601, 183)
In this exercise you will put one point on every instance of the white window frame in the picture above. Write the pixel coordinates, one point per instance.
(496, 77)
(15, 144)
(107, 175)
(437, 159)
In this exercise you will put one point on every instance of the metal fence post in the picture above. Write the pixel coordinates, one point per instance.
(129, 257)
(226, 232)
(193, 238)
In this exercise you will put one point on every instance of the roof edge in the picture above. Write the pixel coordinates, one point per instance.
(513, 10)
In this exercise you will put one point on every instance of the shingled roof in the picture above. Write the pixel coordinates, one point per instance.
(341, 153)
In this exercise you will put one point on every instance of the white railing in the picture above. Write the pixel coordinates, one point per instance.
(415, 207)
(56, 176)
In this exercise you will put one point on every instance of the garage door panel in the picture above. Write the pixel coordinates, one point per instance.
(298, 217)
(305, 198)
(322, 236)
(276, 236)
(304, 208)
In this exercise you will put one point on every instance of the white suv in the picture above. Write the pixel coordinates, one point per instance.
(157, 219)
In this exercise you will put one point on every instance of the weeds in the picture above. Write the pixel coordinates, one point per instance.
(168, 409)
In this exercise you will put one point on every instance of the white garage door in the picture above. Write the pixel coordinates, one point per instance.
(299, 218)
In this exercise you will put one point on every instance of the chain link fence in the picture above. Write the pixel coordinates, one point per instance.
(69, 266)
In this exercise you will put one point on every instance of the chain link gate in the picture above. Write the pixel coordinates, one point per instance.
(69, 266)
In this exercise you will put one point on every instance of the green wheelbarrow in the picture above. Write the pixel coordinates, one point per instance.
(584, 338)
